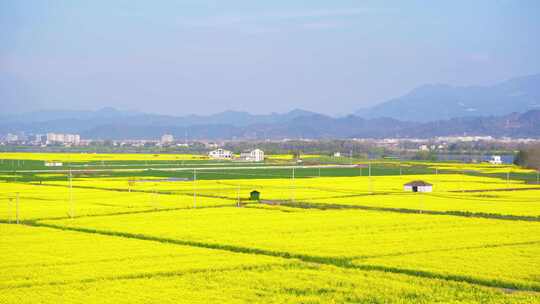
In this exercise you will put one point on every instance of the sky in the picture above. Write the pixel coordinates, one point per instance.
(203, 57)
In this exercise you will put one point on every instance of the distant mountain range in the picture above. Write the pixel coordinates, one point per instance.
(113, 124)
(111, 115)
(437, 102)
(511, 108)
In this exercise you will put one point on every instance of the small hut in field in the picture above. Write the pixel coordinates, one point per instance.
(255, 195)
(418, 186)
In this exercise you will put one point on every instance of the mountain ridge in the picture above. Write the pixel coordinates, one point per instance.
(432, 102)
(295, 124)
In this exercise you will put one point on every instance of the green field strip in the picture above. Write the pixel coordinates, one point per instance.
(486, 198)
(330, 206)
(361, 257)
(495, 283)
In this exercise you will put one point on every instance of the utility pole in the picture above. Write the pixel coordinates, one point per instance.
(194, 189)
(71, 206)
(370, 185)
(9, 204)
(17, 208)
(420, 197)
(461, 184)
(237, 196)
(293, 188)
(155, 199)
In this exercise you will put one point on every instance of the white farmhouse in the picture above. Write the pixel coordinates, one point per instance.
(418, 186)
(53, 164)
(220, 154)
(256, 155)
(495, 160)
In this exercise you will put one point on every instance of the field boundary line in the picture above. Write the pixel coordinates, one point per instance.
(496, 190)
(147, 210)
(487, 246)
(495, 216)
(495, 283)
(148, 275)
(180, 169)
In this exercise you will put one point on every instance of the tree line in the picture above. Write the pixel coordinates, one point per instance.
(529, 157)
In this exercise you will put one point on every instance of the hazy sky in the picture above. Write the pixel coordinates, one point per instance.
(202, 56)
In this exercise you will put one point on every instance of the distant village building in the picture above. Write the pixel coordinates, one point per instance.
(256, 155)
(220, 154)
(167, 139)
(423, 148)
(38, 138)
(337, 154)
(53, 164)
(58, 138)
(11, 138)
(418, 186)
(495, 160)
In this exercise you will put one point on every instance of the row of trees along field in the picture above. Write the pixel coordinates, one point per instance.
(529, 157)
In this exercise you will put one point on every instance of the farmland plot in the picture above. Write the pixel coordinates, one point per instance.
(126, 270)
(348, 238)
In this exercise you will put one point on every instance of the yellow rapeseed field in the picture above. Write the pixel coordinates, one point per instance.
(356, 239)
(86, 157)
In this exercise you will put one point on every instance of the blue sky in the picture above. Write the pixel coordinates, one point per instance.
(181, 57)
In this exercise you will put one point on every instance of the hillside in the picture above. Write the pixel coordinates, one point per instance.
(113, 124)
(437, 102)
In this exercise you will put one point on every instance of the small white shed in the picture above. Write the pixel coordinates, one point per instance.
(495, 160)
(53, 164)
(418, 186)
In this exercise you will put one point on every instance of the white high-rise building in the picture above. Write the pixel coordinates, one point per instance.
(167, 139)
(256, 155)
(58, 138)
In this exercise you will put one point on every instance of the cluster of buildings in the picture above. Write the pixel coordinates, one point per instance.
(166, 140)
(256, 155)
(63, 139)
(42, 139)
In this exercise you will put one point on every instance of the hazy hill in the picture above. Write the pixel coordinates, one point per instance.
(111, 124)
(436, 102)
(110, 115)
